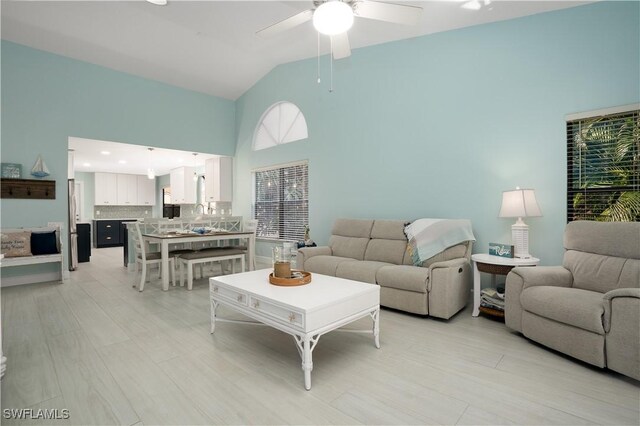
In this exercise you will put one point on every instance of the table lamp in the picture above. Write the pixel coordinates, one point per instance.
(520, 203)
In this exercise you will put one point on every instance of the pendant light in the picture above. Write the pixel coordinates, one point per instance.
(151, 174)
(195, 173)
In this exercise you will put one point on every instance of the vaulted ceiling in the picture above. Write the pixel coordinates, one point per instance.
(211, 46)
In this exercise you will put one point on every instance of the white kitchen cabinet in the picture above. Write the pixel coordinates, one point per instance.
(218, 179)
(146, 191)
(106, 189)
(127, 190)
(183, 187)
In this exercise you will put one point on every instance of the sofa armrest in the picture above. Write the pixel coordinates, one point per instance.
(557, 276)
(622, 330)
(305, 253)
(609, 299)
(448, 286)
(453, 263)
(528, 276)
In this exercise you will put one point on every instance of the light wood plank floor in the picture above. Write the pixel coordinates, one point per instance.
(111, 355)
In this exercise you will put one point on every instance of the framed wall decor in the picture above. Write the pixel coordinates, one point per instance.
(11, 170)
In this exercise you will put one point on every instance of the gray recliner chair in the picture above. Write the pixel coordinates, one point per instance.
(589, 307)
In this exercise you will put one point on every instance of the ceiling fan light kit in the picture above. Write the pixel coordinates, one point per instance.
(333, 17)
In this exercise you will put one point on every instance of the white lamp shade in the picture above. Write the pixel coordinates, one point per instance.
(333, 17)
(519, 203)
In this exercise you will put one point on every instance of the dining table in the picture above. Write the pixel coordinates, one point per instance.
(169, 238)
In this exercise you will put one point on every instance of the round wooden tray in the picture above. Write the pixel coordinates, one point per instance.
(305, 279)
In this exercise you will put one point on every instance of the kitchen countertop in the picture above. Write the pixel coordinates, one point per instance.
(119, 218)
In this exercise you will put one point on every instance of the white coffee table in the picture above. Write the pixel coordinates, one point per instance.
(306, 312)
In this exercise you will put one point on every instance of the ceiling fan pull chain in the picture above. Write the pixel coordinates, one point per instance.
(331, 68)
(318, 57)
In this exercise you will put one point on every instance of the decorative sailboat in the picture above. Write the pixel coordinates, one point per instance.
(39, 168)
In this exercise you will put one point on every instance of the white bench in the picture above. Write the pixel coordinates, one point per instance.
(8, 262)
(208, 256)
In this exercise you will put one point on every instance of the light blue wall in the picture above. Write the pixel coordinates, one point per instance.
(439, 126)
(46, 98)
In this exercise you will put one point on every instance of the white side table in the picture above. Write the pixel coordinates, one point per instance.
(494, 265)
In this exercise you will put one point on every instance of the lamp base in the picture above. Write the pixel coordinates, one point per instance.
(520, 239)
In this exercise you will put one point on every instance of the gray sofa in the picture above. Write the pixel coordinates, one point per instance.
(375, 251)
(588, 308)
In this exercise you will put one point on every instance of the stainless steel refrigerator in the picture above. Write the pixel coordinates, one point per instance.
(73, 229)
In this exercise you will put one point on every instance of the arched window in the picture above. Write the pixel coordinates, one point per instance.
(281, 123)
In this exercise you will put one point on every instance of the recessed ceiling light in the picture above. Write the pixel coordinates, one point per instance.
(105, 153)
(472, 5)
(122, 162)
(158, 2)
(86, 164)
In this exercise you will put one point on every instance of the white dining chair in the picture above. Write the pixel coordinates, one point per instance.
(249, 225)
(145, 259)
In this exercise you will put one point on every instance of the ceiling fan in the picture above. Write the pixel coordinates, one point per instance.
(335, 17)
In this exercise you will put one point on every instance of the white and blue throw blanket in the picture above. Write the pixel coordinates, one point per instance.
(428, 237)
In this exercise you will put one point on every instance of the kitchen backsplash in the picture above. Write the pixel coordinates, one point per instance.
(219, 209)
(121, 212)
(135, 212)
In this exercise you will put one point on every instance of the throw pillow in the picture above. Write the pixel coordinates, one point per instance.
(16, 244)
(43, 243)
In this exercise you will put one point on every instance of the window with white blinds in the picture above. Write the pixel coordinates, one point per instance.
(281, 201)
(603, 167)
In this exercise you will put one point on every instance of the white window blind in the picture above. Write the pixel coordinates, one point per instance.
(603, 167)
(281, 201)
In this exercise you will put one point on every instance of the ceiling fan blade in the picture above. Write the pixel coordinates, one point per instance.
(341, 48)
(389, 12)
(287, 24)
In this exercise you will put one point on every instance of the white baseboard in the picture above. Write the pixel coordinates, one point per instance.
(30, 279)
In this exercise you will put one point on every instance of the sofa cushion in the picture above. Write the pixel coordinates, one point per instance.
(359, 228)
(597, 272)
(404, 277)
(579, 308)
(324, 264)
(389, 229)
(352, 247)
(618, 239)
(364, 271)
(390, 251)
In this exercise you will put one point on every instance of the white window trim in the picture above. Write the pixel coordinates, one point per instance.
(276, 142)
(280, 166)
(602, 112)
